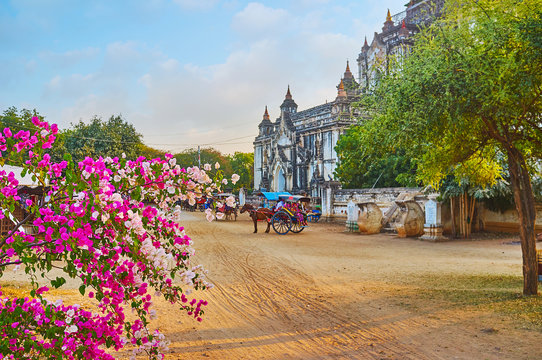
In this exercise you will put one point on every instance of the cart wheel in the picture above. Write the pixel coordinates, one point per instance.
(281, 223)
(297, 226)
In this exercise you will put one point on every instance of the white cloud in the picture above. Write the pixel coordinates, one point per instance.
(71, 86)
(176, 104)
(257, 19)
(170, 64)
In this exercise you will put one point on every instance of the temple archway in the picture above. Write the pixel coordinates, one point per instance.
(279, 181)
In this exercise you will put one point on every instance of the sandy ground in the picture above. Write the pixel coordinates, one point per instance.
(326, 294)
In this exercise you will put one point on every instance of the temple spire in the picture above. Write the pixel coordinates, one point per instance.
(341, 92)
(403, 32)
(348, 73)
(365, 45)
(266, 114)
(389, 22)
(288, 94)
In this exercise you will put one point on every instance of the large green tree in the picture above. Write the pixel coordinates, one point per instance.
(18, 120)
(242, 164)
(467, 99)
(103, 138)
(239, 163)
(191, 157)
(360, 166)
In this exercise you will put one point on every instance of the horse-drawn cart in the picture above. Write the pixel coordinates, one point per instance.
(291, 216)
(288, 216)
(229, 211)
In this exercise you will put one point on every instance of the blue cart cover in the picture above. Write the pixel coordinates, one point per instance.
(273, 196)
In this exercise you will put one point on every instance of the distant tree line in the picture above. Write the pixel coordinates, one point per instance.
(114, 137)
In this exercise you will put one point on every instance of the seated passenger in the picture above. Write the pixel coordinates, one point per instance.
(279, 205)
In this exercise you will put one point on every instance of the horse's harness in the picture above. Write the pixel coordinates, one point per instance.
(255, 211)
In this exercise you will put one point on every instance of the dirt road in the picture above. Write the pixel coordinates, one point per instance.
(325, 294)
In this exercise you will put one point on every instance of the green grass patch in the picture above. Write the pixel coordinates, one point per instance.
(500, 295)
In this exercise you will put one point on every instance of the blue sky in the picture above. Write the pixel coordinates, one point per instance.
(184, 72)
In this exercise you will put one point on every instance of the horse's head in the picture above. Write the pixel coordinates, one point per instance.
(246, 207)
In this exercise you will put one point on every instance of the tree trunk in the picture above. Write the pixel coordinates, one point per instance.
(524, 199)
(463, 217)
(452, 206)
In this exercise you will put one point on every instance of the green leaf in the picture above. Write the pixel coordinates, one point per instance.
(58, 282)
(82, 289)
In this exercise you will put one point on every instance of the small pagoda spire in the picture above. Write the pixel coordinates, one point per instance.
(288, 94)
(389, 22)
(341, 92)
(403, 32)
(266, 114)
(365, 45)
(348, 73)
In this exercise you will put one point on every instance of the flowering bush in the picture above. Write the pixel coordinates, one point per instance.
(112, 223)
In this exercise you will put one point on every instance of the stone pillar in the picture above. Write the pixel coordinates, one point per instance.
(433, 221)
(352, 213)
(242, 197)
(326, 202)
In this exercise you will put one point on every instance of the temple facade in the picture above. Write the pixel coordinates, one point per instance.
(296, 152)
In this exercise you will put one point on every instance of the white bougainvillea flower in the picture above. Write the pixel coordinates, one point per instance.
(230, 201)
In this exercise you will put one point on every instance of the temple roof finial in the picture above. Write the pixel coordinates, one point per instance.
(388, 17)
(341, 93)
(347, 72)
(365, 45)
(288, 93)
(266, 114)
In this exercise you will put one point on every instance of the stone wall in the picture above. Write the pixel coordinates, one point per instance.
(486, 219)
(506, 221)
(383, 197)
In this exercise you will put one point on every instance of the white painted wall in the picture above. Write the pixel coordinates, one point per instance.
(258, 159)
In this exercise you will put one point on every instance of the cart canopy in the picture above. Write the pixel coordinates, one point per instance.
(274, 196)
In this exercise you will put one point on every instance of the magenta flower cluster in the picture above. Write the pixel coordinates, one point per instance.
(112, 224)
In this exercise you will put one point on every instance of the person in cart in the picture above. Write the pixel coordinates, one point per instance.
(280, 204)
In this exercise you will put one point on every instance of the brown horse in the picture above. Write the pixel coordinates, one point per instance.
(258, 214)
(229, 213)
